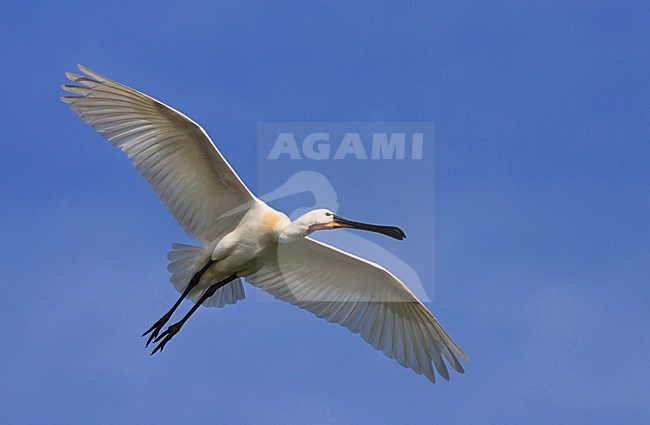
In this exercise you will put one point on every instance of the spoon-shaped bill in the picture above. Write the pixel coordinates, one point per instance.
(392, 231)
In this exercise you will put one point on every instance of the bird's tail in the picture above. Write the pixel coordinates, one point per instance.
(185, 261)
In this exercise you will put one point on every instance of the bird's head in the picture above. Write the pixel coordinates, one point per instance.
(323, 219)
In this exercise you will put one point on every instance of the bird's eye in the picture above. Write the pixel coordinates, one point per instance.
(329, 214)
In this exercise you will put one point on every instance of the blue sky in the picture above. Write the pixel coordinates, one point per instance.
(541, 115)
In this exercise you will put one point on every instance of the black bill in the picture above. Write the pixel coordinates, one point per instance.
(392, 231)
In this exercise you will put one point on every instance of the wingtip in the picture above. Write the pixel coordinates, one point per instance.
(443, 371)
(462, 354)
(92, 74)
(85, 70)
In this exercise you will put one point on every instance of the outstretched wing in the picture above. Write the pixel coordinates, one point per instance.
(171, 151)
(364, 298)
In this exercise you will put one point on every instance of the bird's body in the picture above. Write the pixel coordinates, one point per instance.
(243, 237)
(243, 250)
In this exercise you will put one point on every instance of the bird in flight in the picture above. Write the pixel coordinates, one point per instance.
(244, 238)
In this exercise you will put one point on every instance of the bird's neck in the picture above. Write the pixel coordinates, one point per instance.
(294, 231)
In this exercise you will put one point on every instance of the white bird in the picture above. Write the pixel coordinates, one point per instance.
(245, 238)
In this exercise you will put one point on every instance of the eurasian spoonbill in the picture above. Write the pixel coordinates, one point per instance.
(245, 238)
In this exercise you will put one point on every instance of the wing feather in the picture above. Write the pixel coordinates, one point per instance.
(174, 154)
(364, 298)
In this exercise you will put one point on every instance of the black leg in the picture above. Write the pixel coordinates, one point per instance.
(157, 327)
(173, 329)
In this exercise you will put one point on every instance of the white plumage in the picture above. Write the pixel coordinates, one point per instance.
(245, 238)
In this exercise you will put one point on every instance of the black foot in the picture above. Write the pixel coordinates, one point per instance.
(167, 336)
(157, 327)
